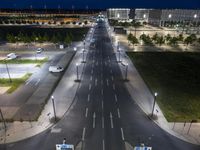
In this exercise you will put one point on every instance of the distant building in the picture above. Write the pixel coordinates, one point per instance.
(174, 16)
(118, 13)
(141, 15)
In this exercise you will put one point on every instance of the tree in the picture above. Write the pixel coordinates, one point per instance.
(54, 39)
(180, 37)
(130, 36)
(67, 40)
(10, 38)
(134, 40)
(160, 40)
(155, 37)
(190, 39)
(173, 41)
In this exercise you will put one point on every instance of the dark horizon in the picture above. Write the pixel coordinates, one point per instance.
(98, 4)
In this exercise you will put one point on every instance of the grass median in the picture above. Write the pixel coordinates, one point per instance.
(176, 77)
(16, 82)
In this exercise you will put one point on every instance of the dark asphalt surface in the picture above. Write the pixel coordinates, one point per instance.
(103, 115)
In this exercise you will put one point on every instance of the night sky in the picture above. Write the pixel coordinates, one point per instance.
(99, 4)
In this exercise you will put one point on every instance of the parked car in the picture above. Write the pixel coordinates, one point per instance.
(39, 50)
(55, 69)
(11, 56)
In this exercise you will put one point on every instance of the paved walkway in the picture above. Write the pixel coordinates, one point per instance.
(64, 95)
(144, 98)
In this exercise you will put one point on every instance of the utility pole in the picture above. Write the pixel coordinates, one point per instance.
(154, 102)
(8, 71)
(54, 110)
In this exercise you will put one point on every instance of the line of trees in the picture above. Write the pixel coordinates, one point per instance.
(160, 39)
(55, 38)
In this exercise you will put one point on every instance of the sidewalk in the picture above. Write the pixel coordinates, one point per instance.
(144, 98)
(64, 95)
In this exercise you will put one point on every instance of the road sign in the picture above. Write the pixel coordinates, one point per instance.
(64, 147)
(142, 148)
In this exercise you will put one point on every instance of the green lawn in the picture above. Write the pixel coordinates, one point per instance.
(15, 82)
(176, 77)
(24, 61)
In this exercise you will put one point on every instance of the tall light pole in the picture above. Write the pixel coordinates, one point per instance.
(54, 110)
(195, 17)
(4, 122)
(8, 70)
(126, 73)
(83, 58)
(77, 77)
(154, 102)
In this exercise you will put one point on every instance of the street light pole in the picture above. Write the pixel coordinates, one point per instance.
(154, 102)
(126, 75)
(83, 56)
(8, 71)
(77, 71)
(4, 122)
(54, 110)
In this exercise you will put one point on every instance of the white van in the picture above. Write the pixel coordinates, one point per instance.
(11, 56)
(55, 69)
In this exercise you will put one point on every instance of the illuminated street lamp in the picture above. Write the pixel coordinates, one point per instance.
(154, 102)
(75, 49)
(77, 76)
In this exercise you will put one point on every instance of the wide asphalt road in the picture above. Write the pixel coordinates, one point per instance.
(103, 115)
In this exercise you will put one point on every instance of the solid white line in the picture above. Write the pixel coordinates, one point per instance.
(112, 78)
(113, 86)
(115, 97)
(88, 97)
(90, 78)
(101, 82)
(90, 87)
(118, 112)
(122, 132)
(101, 91)
(94, 116)
(102, 122)
(28, 81)
(103, 144)
(83, 134)
(95, 82)
(37, 82)
(111, 120)
(86, 112)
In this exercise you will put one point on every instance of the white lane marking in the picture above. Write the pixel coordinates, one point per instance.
(88, 98)
(102, 105)
(107, 82)
(102, 122)
(95, 82)
(94, 116)
(101, 91)
(90, 78)
(122, 133)
(92, 71)
(28, 81)
(37, 82)
(56, 130)
(115, 97)
(101, 82)
(118, 112)
(83, 134)
(103, 142)
(86, 112)
(90, 87)
(112, 78)
(113, 86)
(111, 120)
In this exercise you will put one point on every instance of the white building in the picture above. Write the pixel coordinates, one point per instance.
(118, 13)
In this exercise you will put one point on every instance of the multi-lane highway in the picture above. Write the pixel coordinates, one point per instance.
(103, 115)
